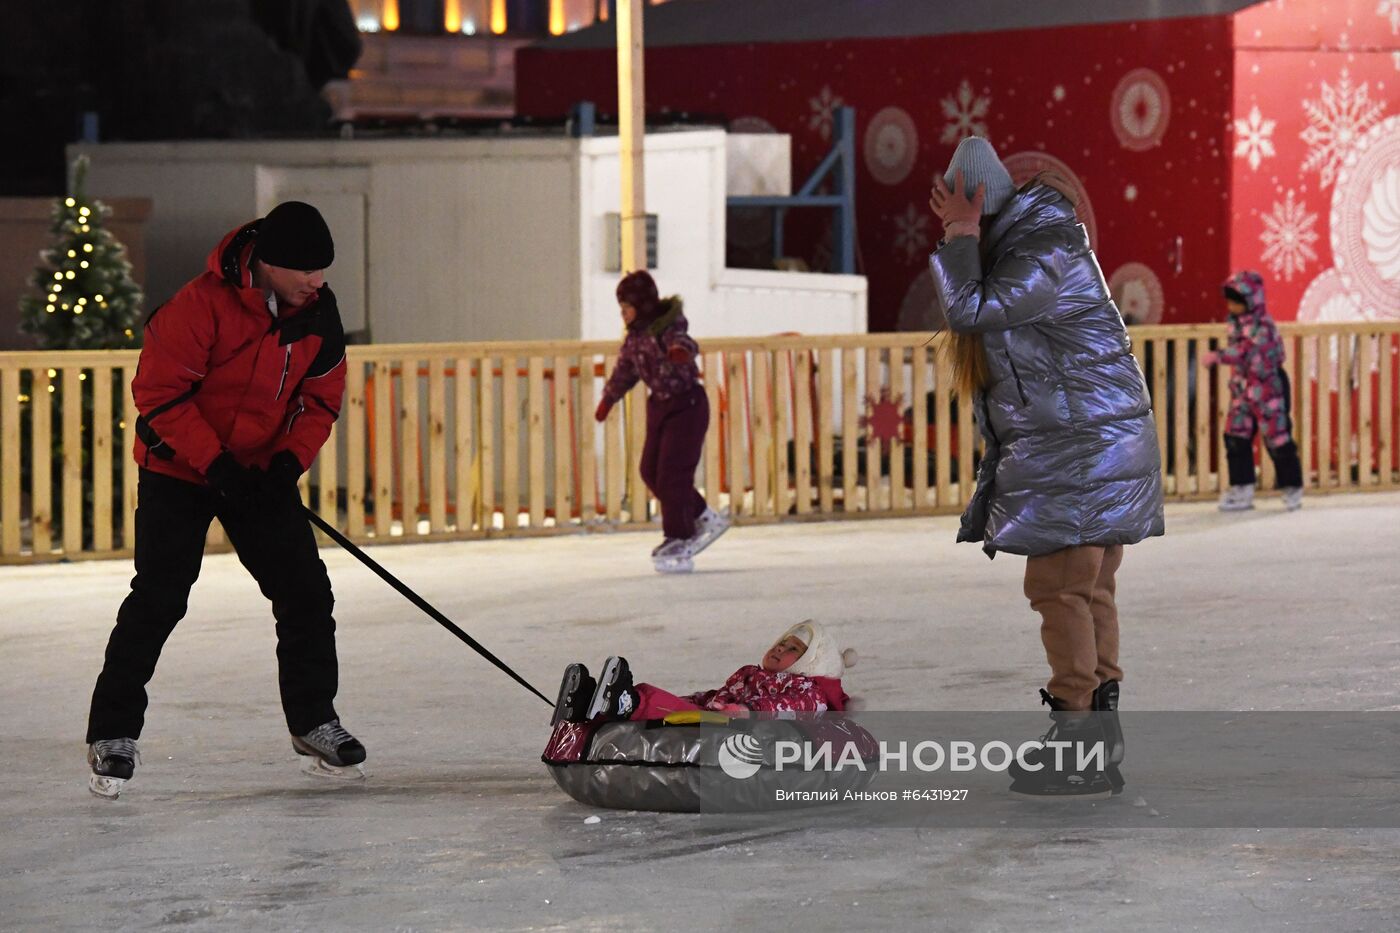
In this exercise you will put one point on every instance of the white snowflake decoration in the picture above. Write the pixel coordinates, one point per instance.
(1390, 10)
(966, 114)
(823, 111)
(1336, 120)
(1288, 237)
(1252, 138)
(911, 233)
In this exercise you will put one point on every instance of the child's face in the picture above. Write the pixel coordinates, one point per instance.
(1235, 307)
(784, 654)
(629, 313)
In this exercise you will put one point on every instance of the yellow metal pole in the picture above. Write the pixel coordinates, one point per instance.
(631, 111)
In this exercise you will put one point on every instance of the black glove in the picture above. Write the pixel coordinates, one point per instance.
(283, 473)
(233, 480)
(284, 469)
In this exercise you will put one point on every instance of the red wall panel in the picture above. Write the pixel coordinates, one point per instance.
(1316, 174)
(1138, 114)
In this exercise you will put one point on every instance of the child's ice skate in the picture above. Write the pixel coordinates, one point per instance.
(614, 697)
(1237, 499)
(113, 762)
(674, 556)
(1293, 498)
(708, 527)
(331, 752)
(575, 693)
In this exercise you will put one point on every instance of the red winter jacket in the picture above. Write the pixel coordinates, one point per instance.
(218, 372)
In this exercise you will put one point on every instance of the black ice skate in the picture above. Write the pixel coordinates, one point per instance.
(575, 692)
(113, 762)
(614, 697)
(1060, 776)
(330, 751)
(1106, 705)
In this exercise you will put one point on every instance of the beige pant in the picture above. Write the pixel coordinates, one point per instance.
(1073, 591)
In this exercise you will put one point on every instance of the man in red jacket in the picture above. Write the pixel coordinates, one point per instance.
(240, 380)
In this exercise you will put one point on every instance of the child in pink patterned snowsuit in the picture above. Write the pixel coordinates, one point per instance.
(1259, 396)
(800, 673)
(659, 352)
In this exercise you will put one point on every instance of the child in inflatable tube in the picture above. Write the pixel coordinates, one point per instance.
(800, 673)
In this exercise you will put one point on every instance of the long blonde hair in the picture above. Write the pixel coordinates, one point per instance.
(969, 359)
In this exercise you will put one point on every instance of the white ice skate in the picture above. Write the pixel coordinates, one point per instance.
(674, 556)
(113, 762)
(1293, 498)
(708, 527)
(331, 752)
(1237, 499)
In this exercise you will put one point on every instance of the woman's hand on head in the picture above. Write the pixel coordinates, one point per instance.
(952, 207)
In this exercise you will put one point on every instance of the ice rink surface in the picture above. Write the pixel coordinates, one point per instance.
(459, 827)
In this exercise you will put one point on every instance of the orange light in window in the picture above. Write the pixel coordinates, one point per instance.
(390, 20)
(498, 16)
(452, 15)
(556, 17)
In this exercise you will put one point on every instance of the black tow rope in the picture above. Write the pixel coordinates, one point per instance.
(419, 601)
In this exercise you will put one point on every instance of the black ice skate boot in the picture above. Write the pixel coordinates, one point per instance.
(330, 751)
(113, 762)
(1055, 772)
(614, 697)
(1106, 706)
(575, 692)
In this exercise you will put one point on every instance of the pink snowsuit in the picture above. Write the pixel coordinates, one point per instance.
(752, 687)
(1255, 353)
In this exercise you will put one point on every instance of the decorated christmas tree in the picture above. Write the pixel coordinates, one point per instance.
(88, 300)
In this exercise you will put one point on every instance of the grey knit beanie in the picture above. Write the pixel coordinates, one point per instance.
(980, 166)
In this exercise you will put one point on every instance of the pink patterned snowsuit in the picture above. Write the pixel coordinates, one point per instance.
(1255, 353)
(751, 687)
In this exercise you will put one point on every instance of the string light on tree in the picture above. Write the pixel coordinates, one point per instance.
(86, 299)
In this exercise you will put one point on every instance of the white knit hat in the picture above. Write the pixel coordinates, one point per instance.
(822, 658)
(980, 166)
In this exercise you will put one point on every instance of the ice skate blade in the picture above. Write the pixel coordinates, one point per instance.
(682, 565)
(317, 767)
(108, 788)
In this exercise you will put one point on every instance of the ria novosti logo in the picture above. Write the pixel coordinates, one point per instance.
(741, 756)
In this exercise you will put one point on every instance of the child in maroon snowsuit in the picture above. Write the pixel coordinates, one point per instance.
(800, 673)
(659, 352)
(1259, 396)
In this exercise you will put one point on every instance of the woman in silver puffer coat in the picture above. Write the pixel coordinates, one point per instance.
(1072, 471)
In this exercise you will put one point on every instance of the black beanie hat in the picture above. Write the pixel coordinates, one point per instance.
(293, 235)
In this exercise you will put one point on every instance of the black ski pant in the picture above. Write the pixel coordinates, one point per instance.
(275, 543)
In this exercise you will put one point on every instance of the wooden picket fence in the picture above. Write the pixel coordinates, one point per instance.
(460, 441)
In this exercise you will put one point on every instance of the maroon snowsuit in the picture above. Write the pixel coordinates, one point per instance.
(678, 413)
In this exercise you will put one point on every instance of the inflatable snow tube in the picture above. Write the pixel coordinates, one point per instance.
(708, 763)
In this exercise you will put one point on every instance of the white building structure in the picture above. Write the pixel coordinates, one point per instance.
(486, 238)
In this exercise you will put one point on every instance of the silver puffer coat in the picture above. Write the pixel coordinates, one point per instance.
(1072, 452)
